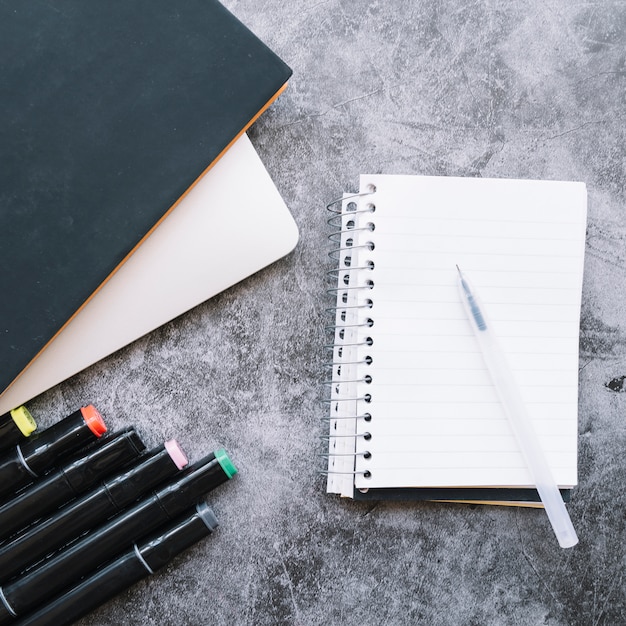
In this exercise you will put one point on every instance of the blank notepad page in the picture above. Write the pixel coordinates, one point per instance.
(435, 417)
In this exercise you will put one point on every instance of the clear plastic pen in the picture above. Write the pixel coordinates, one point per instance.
(516, 411)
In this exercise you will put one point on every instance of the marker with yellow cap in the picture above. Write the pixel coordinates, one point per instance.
(14, 426)
(45, 450)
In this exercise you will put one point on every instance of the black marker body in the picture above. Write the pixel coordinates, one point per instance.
(143, 559)
(15, 427)
(82, 557)
(85, 513)
(43, 451)
(79, 475)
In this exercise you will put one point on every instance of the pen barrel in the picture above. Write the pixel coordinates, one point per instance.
(514, 406)
(65, 568)
(530, 446)
(15, 426)
(56, 573)
(534, 457)
(49, 493)
(557, 514)
(141, 560)
(81, 515)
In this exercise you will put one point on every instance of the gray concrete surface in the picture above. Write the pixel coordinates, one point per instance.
(528, 89)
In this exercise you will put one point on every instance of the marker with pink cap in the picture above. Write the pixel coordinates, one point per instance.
(109, 498)
(28, 461)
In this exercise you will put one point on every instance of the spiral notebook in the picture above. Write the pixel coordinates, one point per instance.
(413, 412)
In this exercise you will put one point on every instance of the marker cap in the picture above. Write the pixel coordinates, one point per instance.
(94, 420)
(227, 465)
(14, 426)
(47, 448)
(175, 537)
(195, 481)
(24, 420)
(205, 513)
(176, 452)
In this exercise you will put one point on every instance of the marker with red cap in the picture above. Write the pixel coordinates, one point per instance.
(142, 559)
(77, 476)
(69, 522)
(80, 558)
(15, 426)
(43, 451)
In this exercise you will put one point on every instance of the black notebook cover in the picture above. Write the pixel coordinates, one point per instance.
(109, 111)
(457, 494)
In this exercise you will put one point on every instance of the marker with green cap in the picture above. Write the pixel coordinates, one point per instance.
(14, 426)
(103, 543)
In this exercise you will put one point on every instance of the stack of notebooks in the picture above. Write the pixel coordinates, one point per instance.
(413, 411)
(119, 119)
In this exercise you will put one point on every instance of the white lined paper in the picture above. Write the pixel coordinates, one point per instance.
(436, 420)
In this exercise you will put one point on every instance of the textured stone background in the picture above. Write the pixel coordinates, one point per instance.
(528, 89)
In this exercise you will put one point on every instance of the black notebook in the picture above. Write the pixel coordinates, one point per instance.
(413, 410)
(109, 112)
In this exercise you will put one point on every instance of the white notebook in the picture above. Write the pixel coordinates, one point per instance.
(232, 223)
(412, 404)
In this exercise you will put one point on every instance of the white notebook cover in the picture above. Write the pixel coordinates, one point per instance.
(230, 225)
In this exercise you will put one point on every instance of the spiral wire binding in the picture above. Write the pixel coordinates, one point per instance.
(346, 220)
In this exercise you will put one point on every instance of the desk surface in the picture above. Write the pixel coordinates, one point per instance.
(499, 89)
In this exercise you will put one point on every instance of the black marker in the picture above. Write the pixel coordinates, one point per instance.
(52, 491)
(82, 557)
(141, 560)
(14, 426)
(90, 510)
(43, 451)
